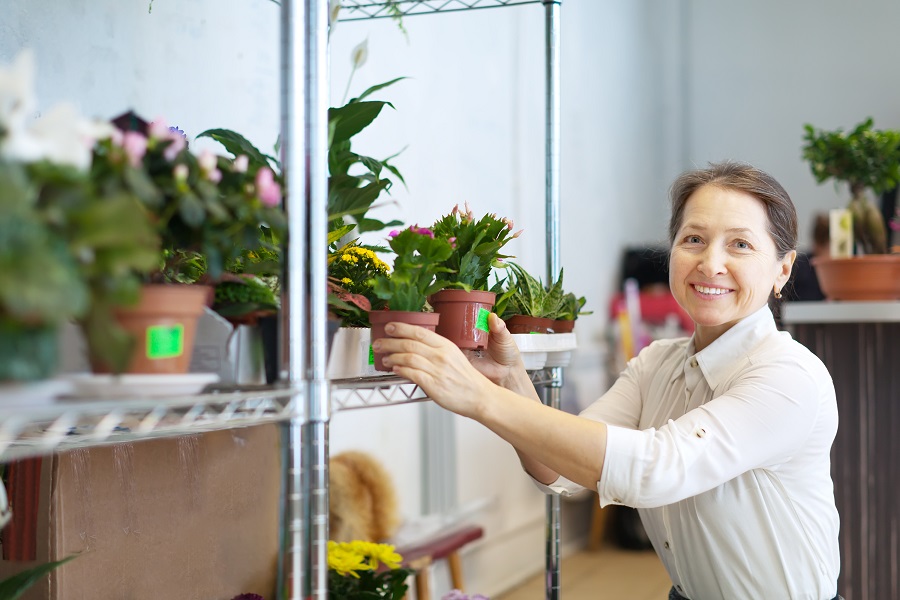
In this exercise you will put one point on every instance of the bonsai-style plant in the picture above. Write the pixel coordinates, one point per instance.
(863, 158)
(476, 247)
(418, 258)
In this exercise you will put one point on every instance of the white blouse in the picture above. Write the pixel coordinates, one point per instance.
(725, 452)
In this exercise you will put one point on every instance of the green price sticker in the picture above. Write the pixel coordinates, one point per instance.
(371, 355)
(165, 341)
(481, 321)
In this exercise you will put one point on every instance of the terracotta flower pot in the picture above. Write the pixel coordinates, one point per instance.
(164, 324)
(563, 325)
(869, 277)
(378, 319)
(526, 324)
(464, 316)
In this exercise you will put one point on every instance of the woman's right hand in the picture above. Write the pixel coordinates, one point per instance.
(501, 361)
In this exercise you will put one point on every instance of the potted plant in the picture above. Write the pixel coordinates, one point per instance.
(208, 211)
(418, 258)
(531, 307)
(70, 250)
(467, 300)
(569, 311)
(864, 158)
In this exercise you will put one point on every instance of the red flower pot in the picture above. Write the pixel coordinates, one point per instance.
(378, 319)
(463, 316)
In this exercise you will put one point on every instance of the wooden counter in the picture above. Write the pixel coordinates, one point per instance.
(859, 342)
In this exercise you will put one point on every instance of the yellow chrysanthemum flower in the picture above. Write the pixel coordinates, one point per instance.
(346, 280)
(346, 560)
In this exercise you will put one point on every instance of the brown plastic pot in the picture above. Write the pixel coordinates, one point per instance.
(526, 324)
(378, 319)
(869, 277)
(464, 316)
(563, 325)
(164, 325)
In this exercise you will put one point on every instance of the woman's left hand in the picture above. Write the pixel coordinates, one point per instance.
(436, 365)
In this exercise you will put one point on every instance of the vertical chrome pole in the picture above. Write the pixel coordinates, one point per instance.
(318, 399)
(554, 262)
(304, 104)
(293, 576)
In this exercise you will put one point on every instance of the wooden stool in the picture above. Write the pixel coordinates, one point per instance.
(442, 545)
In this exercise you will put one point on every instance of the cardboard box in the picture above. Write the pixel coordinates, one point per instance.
(194, 517)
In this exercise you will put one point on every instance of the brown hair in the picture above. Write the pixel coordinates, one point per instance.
(741, 177)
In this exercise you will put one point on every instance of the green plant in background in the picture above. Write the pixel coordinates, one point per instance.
(419, 255)
(571, 307)
(356, 181)
(353, 268)
(244, 297)
(355, 573)
(476, 247)
(527, 295)
(862, 158)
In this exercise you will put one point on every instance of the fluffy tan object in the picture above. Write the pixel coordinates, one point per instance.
(362, 500)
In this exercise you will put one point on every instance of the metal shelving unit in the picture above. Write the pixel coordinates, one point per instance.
(303, 560)
(304, 402)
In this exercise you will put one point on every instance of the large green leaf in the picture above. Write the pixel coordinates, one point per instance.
(237, 144)
(13, 587)
(353, 118)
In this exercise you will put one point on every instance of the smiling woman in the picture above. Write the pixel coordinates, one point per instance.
(733, 244)
(721, 441)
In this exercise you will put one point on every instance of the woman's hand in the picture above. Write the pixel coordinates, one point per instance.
(435, 364)
(502, 359)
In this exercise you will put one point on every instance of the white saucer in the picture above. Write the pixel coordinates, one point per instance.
(138, 385)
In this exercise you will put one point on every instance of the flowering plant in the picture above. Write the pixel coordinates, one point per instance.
(419, 256)
(207, 209)
(354, 573)
(69, 249)
(476, 247)
(352, 268)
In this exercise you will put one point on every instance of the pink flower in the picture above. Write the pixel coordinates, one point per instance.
(267, 188)
(240, 164)
(135, 146)
(394, 233)
(452, 242)
(206, 160)
(180, 172)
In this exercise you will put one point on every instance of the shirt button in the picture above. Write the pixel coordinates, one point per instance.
(694, 362)
(666, 545)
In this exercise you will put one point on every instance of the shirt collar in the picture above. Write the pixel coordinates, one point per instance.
(720, 358)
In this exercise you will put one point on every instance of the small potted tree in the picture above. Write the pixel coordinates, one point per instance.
(863, 158)
(418, 258)
(467, 299)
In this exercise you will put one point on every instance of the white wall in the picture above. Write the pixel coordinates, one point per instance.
(649, 87)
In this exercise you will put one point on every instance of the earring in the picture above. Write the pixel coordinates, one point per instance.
(777, 294)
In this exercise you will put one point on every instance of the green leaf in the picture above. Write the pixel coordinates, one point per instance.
(13, 587)
(375, 88)
(353, 118)
(237, 144)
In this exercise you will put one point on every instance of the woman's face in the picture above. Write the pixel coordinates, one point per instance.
(723, 264)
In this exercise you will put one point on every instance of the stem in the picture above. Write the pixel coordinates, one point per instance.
(347, 91)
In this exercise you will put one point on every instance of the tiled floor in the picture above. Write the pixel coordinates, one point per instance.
(607, 574)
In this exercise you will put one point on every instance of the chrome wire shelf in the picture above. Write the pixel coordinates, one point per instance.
(367, 392)
(76, 423)
(358, 10)
(71, 423)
